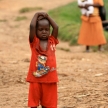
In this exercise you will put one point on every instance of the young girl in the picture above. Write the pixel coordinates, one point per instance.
(91, 31)
(42, 74)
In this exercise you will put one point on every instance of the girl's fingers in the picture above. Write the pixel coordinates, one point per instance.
(43, 14)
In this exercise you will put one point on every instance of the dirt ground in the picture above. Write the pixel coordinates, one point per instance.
(83, 77)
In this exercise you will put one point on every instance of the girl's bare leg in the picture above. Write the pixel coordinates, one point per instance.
(100, 48)
(87, 48)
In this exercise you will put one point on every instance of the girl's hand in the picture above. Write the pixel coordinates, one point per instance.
(80, 6)
(41, 15)
(86, 6)
(44, 14)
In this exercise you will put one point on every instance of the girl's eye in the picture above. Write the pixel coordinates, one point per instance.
(40, 29)
(47, 29)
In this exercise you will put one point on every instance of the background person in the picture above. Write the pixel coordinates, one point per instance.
(91, 31)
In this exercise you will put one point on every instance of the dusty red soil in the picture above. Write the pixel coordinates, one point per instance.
(83, 77)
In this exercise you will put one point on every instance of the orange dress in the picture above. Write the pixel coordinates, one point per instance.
(91, 31)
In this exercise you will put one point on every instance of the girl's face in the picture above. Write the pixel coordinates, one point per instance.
(43, 29)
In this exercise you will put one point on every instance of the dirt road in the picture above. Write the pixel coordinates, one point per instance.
(83, 77)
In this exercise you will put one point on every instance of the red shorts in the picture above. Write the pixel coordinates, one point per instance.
(44, 94)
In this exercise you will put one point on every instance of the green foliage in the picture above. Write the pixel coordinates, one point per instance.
(20, 18)
(68, 19)
(29, 9)
(3, 20)
(106, 7)
(106, 36)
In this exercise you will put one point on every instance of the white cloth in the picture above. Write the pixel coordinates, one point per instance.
(90, 8)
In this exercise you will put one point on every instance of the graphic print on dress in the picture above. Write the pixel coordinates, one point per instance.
(42, 69)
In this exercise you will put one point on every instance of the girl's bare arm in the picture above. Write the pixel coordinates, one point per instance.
(54, 26)
(94, 5)
(33, 27)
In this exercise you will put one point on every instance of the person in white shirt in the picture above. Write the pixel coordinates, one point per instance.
(84, 11)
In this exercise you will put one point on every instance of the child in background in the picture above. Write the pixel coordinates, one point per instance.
(90, 9)
(42, 74)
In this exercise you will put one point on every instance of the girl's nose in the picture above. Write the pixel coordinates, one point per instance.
(44, 31)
